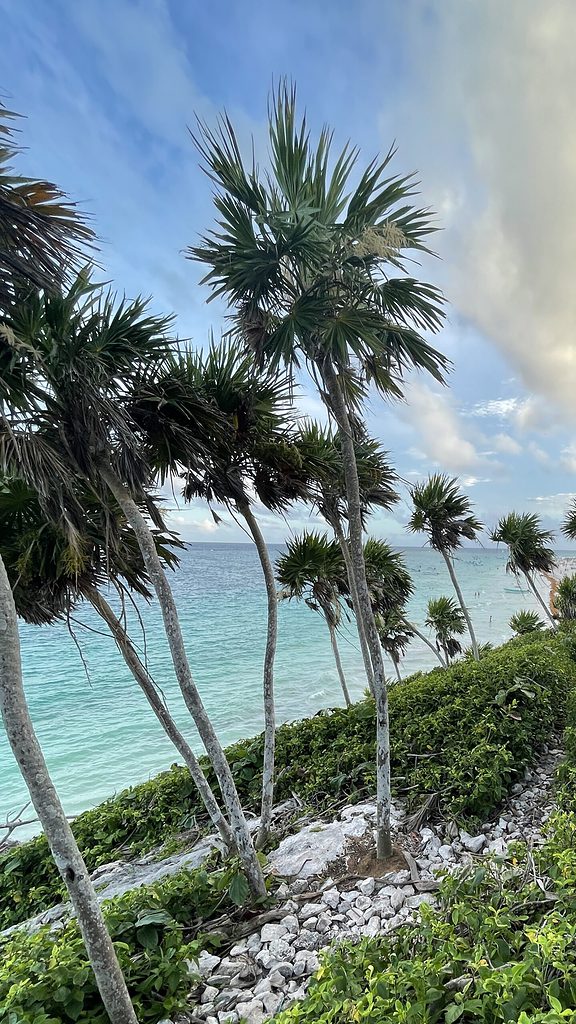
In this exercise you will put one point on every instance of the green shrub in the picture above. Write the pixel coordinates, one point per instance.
(46, 978)
(497, 950)
(473, 726)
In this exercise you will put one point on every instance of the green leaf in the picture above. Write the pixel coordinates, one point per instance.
(238, 889)
(147, 936)
(453, 1013)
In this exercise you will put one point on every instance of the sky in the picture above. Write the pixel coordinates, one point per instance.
(477, 96)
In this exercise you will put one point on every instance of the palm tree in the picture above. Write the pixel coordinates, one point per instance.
(49, 578)
(312, 569)
(303, 257)
(445, 515)
(40, 237)
(390, 587)
(528, 550)
(326, 487)
(447, 620)
(565, 598)
(395, 636)
(525, 621)
(255, 455)
(89, 355)
(42, 234)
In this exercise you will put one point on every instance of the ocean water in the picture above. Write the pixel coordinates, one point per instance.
(95, 727)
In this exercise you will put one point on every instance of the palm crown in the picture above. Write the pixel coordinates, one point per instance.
(304, 257)
(322, 463)
(528, 544)
(312, 568)
(41, 232)
(443, 512)
(48, 574)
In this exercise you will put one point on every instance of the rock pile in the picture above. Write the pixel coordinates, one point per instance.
(270, 968)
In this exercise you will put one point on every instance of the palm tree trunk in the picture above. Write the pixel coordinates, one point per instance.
(383, 792)
(148, 687)
(192, 698)
(540, 599)
(268, 679)
(339, 534)
(462, 603)
(397, 670)
(65, 852)
(339, 668)
(421, 636)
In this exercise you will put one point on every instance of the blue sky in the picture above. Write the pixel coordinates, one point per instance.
(478, 97)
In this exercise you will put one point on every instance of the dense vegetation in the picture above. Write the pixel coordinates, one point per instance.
(497, 948)
(157, 930)
(478, 723)
(500, 948)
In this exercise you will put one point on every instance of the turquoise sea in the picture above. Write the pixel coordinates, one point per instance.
(95, 727)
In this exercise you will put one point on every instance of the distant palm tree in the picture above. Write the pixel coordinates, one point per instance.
(565, 598)
(447, 621)
(305, 254)
(445, 515)
(326, 489)
(49, 577)
(525, 621)
(395, 636)
(322, 468)
(312, 569)
(529, 550)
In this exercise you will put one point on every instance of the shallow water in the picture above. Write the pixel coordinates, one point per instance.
(95, 727)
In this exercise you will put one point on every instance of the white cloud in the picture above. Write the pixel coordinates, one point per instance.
(540, 454)
(525, 414)
(506, 444)
(568, 457)
(471, 481)
(511, 248)
(555, 505)
(440, 433)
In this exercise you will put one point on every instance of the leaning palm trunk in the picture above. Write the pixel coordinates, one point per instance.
(191, 696)
(383, 793)
(424, 638)
(268, 684)
(339, 668)
(148, 687)
(339, 534)
(462, 603)
(397, 670)
(65, 852)
(540, 599)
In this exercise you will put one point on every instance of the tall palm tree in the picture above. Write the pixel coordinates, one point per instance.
(41, 237)
(448, 622)
(88, 355)
(49, 578)
(304, 259)
(529, 550)
(312, 569)
(445, 515)
(322, 467)
(253, 456)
